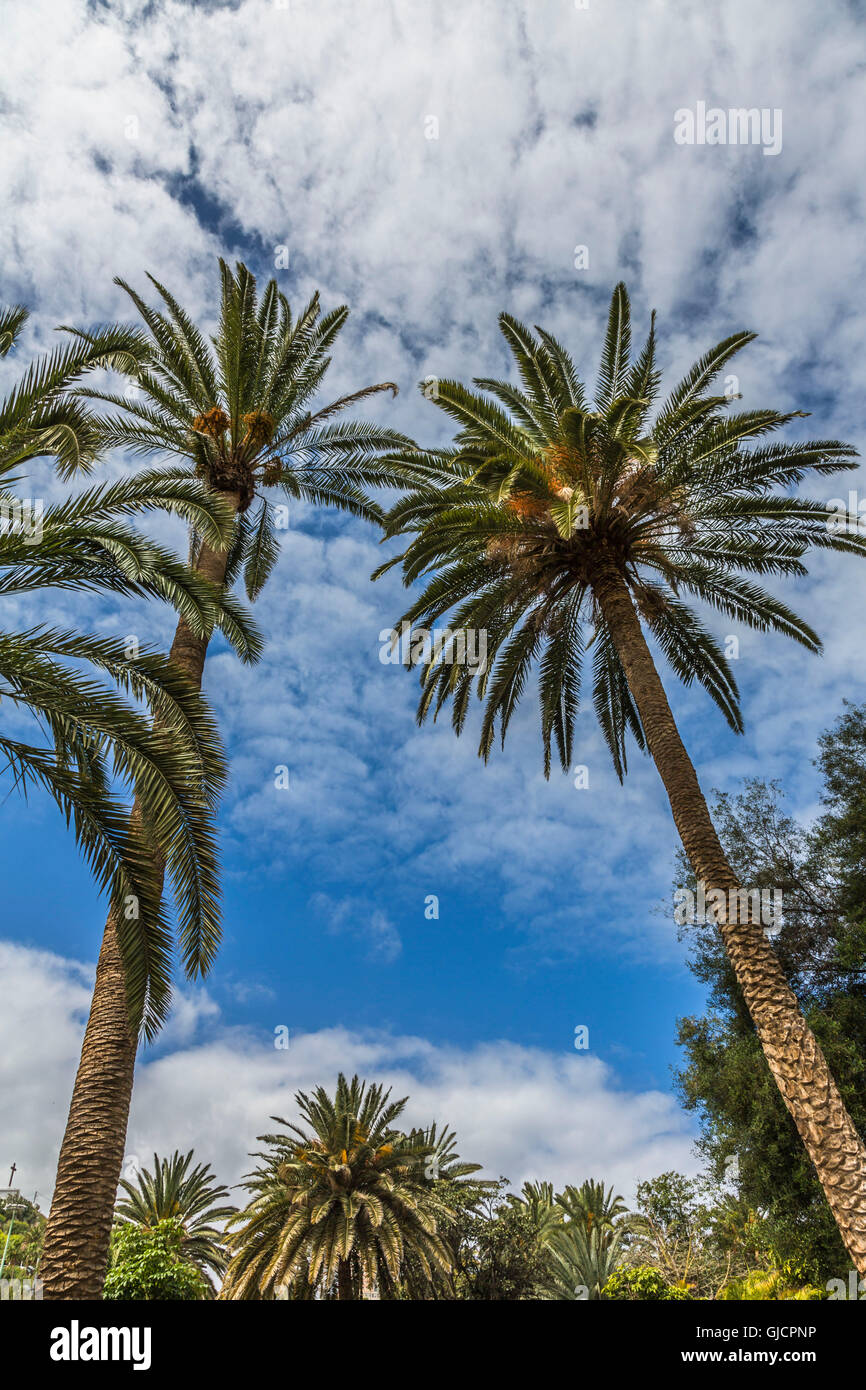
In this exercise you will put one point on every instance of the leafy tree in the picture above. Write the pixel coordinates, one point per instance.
(147, 1263)
(24, 1223)
(672, 1230)
(190, 1196)
(341, 1205)
(238, 414)
(568, 533)
(498, 1243)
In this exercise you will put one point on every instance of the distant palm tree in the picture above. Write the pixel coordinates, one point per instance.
(339, 1206)
(239, 414)
(591, 1207)
(538, 1200)
(581, 1262)
(190, 1196)
(564, 531)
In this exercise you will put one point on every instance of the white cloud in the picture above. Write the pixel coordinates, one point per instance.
(519, 1111)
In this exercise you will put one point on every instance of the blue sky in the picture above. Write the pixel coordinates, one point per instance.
(159, 138)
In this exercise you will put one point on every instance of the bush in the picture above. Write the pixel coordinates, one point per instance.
(146, 1263)
(769, 1284)
(643, 1282)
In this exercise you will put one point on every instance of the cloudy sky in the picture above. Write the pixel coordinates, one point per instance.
(429, 165)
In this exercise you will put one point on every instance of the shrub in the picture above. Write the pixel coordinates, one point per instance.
(643, 1282)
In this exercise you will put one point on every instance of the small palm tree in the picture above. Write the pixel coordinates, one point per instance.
(539, 1202)
(340, 1206)
(237, 413)
(190, 1196)
(581, 1262)
(567, 532)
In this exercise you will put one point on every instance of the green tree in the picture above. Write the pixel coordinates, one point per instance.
(189, 1195)
(341, 1205)
(498, 1243)
(567, 533)
(147, 1263)
(239, 414)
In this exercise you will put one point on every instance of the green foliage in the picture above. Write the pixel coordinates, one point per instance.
(581, 1260)
(643, 1282)
(763, 1284)
(497, 1243)
(90, 740)
(239, 411)
(148, 1264)
(349, 1206)
(27, 1225)
(191, 1196)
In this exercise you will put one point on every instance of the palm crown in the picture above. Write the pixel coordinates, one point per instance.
(542, 495)
(346, 1201)
(94, 733)
(238, 409)
(191, 1195)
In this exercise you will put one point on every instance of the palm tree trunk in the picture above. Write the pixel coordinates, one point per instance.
(344, 1282)
(78, 1232)
(790, 1047)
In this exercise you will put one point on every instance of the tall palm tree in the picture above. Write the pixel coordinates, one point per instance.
(94, 738)
(237, 412)
(568, 532)
(188, 1195)
(341, 1205)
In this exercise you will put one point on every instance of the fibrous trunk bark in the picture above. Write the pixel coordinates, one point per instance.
(77, 1236)
(794, 1057)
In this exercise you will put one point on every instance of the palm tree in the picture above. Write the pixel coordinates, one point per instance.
(456, 1190)
(236, 413)
(192, 1197)
(591, 1207)
(581, 1261)
(567, 533)
(342, 1205)
(93, 741)
(538, 1201)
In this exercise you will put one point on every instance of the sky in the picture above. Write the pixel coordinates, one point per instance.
(429, 166)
